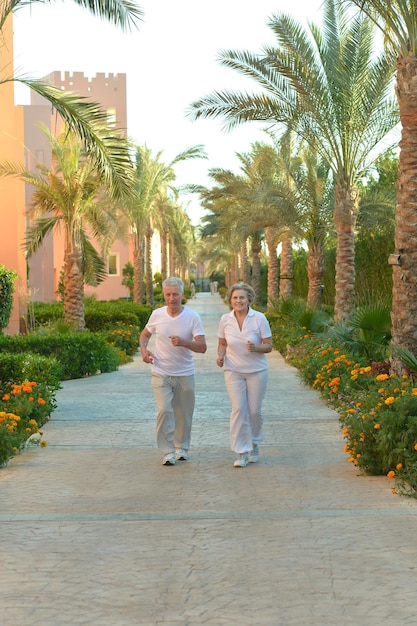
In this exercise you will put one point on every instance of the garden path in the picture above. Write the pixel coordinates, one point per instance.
(96, 532)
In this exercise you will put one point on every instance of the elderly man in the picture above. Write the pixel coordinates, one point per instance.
(178, 333)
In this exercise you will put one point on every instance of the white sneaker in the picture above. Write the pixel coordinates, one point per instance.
(181, 455)
(242, 461)
(254, 454)
(169, 459)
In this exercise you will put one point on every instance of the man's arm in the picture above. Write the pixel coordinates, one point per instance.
(147, 356)
(198, 344)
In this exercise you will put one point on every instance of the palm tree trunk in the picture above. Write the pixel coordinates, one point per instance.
(404, 298)
(271, 238)
(137, 270)
(286, 268)
(346, 208)
(171, 257)
(315, 272)
(256, 266)
(244, 262)
(164, 253)
(148, 266)
(73, 288)
(235, 267)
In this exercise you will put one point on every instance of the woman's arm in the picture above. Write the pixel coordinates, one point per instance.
(265, 346)
(221, 351)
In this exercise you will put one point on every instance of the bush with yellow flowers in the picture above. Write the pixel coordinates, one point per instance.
(125, 337)
(378, 411)
(23, 410)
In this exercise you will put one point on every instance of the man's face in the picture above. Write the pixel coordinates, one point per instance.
(173, 297)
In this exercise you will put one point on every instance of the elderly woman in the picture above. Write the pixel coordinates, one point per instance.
(244, 337)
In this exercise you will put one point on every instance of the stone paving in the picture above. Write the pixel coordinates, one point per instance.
(96, 532)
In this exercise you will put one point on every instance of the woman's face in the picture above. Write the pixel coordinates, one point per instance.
(239, 300)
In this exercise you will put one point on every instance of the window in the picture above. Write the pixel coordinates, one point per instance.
(111, 116)
(113, 265)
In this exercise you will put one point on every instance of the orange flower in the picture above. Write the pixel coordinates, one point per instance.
(376, 426)
(399, 466)
(6, 397)
(391, 474)
(41, 401)
(389, 400)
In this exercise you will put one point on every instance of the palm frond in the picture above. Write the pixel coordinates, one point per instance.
(409, 359)
(94, 266)
(36, 233)
(123, 13)
(110, 152)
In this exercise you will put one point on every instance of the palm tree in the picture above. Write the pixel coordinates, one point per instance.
(312, 188)
(153, 180)
(398, 21)
(181, 243)
(330, 88)
(83, 116)
(70, 195)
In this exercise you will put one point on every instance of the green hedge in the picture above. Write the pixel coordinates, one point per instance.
(99, 315)
(78, 354)
(7, 279)
(17, 368)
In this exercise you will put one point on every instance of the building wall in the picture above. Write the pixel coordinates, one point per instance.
(12, 191)
(46, 266)
(37, 150)
(107, 89)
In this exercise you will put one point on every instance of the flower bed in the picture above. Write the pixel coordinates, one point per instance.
(378, 411)
(23, 410)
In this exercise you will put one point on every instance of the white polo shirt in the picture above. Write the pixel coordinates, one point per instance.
(173, 360)
(255, 328)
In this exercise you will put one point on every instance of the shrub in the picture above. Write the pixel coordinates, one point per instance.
(79, 354)
(24, 408)
(30, 400)
(378, 411)
(124, 338)
(99, 315)
(16, 367)
(7, 278)
(14, 435)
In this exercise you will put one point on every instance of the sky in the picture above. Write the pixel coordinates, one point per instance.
(170, 61)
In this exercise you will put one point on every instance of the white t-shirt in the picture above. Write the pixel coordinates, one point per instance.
(173, 360)
(255, 328)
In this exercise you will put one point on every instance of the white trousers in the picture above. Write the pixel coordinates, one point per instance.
(175, 400)
(246, 393)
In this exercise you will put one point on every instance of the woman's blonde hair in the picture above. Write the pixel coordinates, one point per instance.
(250, 292)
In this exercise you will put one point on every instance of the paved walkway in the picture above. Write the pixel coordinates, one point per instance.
(96, 532)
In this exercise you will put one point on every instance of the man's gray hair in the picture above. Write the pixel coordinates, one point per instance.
(173, 281)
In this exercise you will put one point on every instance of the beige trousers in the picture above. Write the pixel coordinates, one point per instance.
(175, 400)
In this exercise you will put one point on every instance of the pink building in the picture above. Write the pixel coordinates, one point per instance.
(45, 267)
(22, 141)
(12, 192)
